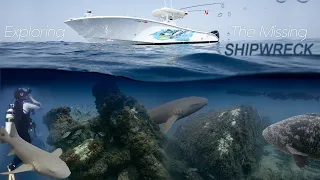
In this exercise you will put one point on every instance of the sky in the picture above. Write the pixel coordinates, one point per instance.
(247, 14)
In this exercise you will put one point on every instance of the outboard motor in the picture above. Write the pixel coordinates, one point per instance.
(215, 32)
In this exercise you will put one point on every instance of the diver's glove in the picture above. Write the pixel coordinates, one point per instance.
(35, 101)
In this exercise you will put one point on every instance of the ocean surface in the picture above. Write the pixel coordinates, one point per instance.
(64, 74)
(155, 63)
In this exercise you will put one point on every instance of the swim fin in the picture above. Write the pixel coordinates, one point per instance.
(22, 168)
(301, 159)
(11, 176)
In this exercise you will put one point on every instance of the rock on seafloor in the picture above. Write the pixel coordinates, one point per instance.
(223, 144)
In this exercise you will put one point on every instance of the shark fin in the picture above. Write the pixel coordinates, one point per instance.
(301, 159)
(22, 168)
(11, 152)
(14, 132)
(57, 152)
(169, 123)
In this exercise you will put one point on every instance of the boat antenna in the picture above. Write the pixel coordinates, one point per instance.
(200, 5)
(198, 10)
(165, 4)
(171, 3)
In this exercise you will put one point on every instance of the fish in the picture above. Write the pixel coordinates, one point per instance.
(133, 110)
(91, 134)
(172, 111)
(33, 158)
(192, 170)
(297, 136)
(78, 132)
(101, 134)
(69, 141)
(65, 135)
(212, 177)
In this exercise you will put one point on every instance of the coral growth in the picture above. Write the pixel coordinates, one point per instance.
(64, 131)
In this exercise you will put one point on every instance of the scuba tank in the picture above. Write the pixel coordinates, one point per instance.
(9, 117)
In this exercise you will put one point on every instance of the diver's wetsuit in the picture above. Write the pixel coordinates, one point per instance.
(22, 122)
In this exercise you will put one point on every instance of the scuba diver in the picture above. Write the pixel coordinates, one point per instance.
(19, 113)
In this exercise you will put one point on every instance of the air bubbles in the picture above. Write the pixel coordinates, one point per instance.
(303, 1)
(228, 34)
(229, 14)
(245, 8)
(300, 1)
(222, 5)
(219, 15)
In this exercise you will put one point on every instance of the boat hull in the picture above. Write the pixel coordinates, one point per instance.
(138, 31)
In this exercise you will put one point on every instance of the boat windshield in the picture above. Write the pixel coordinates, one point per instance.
(169, 14)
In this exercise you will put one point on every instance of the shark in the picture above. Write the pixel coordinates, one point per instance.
(172, 111)
(34, 158)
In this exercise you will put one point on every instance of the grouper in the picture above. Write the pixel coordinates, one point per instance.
(298, 136)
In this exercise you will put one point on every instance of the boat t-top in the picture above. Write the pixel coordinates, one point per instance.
(140, 31)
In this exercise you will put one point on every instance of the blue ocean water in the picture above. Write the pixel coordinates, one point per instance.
(63, 73)
(154, 63)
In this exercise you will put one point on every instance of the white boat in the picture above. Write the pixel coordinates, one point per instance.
(140, 31)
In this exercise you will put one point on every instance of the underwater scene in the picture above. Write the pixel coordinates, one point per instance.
(117, 128)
